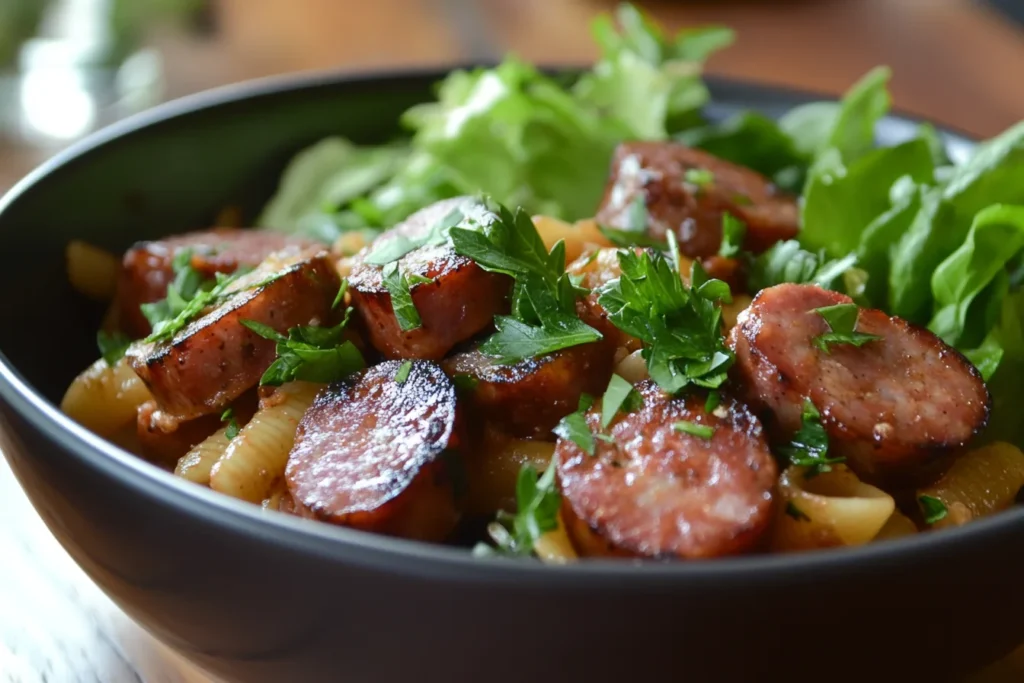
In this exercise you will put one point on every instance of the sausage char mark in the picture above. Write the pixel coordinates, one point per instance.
(377, 454)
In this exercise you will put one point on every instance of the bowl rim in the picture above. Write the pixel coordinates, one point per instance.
(400, 556)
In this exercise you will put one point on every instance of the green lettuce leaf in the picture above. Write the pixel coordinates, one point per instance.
(993, 174)
(996, 236)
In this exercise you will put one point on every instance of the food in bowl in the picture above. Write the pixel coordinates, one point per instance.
(575, 320)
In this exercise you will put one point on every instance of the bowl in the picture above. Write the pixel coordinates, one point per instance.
(256, 596)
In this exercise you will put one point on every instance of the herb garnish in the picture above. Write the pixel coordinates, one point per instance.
(400, 245)
(934, 510)
(403, 372)
(842, 321)
(112, 346)
(543, 316)
(310, 354)
(573, 427)
(796, 513)
(733, 232)
(620, 395)
(232, 429)
(399, 287)
(701, 177)
(809, 446)
(693, 429)
(628, 238)
(681, 326)
(714, 398)
(537, 503)
(340, 296)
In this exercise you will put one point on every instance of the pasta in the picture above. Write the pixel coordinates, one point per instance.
(979, 483)
(578, 236)
(554, 547)
(105, 399)
(632, 368)
(196, 465)
(831, 509)
(257, 457)
(897, 526)
(92, 271)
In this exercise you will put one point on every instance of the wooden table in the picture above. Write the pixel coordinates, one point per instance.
(954, 62)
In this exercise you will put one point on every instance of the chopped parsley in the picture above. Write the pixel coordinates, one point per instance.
(399, 287)
(681, 326)
(232, 429)
(636, 214)
(398, 246)
(537, 503)
(403, 372)
(933, 509)
(842, 321)
(112, 346)
(796, 513)
(310, 354)
(585, 402)
(465, 383)
(693, 429)
(714, 398)
(733, 232)
(809, 446)
(701, 177)
(340, 296)
(620, 395)
(629, 238)
(543, 316)
(573, 427)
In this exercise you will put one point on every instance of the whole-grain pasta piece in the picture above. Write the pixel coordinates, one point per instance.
(256, 458)
(830, 509)
(105, 399)
(981, 482)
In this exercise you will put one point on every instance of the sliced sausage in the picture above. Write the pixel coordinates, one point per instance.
(375, 453)
(460, 299)
(655, 491)
(594, 271)
(146, 269)
(656, 174)
(892, 407)
(216, 358)
(528, 398)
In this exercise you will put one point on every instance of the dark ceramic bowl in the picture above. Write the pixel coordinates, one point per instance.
(257, 596)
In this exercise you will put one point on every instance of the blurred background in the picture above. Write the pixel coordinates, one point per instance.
(69, 67)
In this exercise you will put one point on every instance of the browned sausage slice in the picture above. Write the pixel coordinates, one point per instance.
(686, 191)
(460, 300)
(527, 399)
(373, 453)
(891, 406)
(146, 269)
(216, 358)
(655, 491)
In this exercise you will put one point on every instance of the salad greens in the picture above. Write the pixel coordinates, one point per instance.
(900, 227)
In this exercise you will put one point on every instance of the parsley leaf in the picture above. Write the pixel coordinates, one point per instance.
(399, 245)
(693, 429)
(809, 446)
(403, 372)
(628, 238)
(310, 354)
(714, 398)
(573, 427)
(733, 232)
(543, 316)
(620, 394)
(585, 402)
(340, 296)
(842, 320)
(398, 286)
(537, 503)
(229, 416)
(112, 346)
(796, 513)
(681, 327)
(934, 509)
(701, 177)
